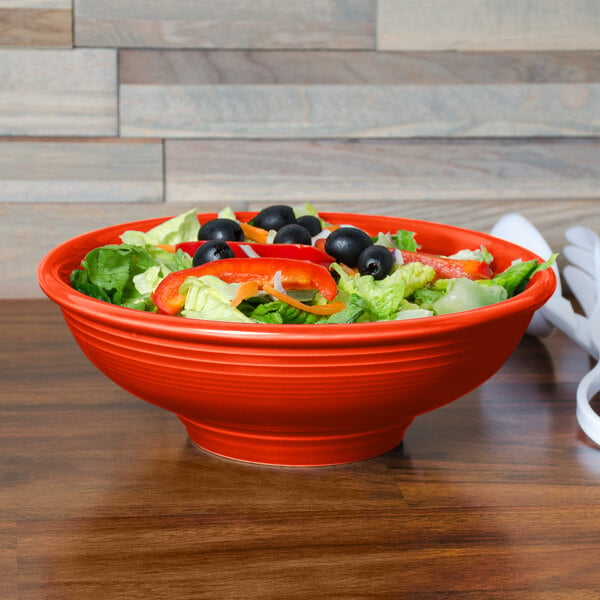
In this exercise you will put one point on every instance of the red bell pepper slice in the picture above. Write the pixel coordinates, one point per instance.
(295, 251)
(450, 268)
(295, 275)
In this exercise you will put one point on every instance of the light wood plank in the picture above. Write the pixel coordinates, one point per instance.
(58, 92)
(381, 170)
(35, 27)
(22, 245)
(488, 25)
(226, 24)
(364, 111)
(330, 67)
(94, 170)
(38, 4)
(359, 95)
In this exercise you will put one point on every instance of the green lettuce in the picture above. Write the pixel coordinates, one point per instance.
(182, 228)
(465, 294)
(108, 273)
(384, 298)
(401, 240)
(515, 278)
(282, 313)
(482, 254)
(209, 297)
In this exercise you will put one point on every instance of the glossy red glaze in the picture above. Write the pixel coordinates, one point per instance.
(298, 394)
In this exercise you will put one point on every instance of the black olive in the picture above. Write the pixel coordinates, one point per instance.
(375, 260)
(311, 223)
(292, 234)
(212, 250)
(346, 243)
(274, 217)
(221, 229)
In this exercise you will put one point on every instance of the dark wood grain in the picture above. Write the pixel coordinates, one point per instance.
(494, 497)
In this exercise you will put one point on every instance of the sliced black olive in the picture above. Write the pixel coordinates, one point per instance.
(274, 217)
(311, 223)
(212, 250)
(292, 234)
(375, 260)
(346, 244)
(221, 229)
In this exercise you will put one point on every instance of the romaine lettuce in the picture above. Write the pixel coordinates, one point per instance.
(384, 298)
(182, 228)
(465, 294)
(109, 272)
(209, 297)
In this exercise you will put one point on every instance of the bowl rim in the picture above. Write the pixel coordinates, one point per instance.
(57, 289)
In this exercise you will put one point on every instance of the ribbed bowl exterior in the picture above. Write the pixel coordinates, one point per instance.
(297, 394)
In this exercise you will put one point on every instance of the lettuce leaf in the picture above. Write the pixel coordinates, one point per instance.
(481, 254)
(515, 278)
(384, 298)
(108, 273)
(401, 240)
(182, 228)
(281, 313)
(209, 297)
(465, 294)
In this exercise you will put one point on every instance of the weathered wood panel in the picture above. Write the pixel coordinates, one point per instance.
(330, 67)
(380, 95)
(226, 24)
(37, 4)
(488, 25)
(35, 27)
(360, 111)
(58, 92)
(381, 170)
(80, 170)
(28, 231)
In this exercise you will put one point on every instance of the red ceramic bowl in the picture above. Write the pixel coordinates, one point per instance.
(297, 394)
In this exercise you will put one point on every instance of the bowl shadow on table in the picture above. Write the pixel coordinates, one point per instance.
(507, 408)
(232, 529)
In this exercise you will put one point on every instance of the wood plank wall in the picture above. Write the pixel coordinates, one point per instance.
(450, 111)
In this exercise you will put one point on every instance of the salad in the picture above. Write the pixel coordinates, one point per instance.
(288, 265)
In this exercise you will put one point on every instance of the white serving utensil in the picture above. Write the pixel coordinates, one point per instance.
(558, 311)
(583, 278)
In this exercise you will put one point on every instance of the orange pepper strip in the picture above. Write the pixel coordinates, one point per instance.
(349, 270)
(246, 290)
(168, 247)
(256, 234)
(323, 309)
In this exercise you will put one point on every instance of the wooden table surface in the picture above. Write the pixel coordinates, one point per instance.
(494, 497)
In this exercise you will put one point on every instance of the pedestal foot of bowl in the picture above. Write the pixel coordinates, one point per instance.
(288, 448)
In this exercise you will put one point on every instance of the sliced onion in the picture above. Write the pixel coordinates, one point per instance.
(278, 283)
(323, 234)
(248, 251)
(398, 257)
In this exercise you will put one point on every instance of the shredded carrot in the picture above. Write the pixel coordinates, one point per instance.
(168, 247)
(349, 270)
(246, 290)
(256, 234)
(322, 309)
